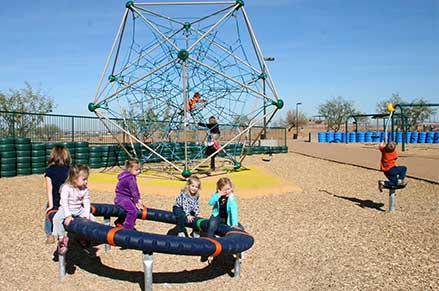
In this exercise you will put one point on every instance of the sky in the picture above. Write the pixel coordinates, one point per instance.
(364, 51)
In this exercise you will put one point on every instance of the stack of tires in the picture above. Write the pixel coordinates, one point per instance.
(167, 151)
(23, 150)
(112, 158)
(179, 151)
(234, 149)
(249, 150)
(137, 150)
(109, 157)
(8, 157)
(82, 153)
(95, 157)
(122, 156)
(38, 158)
(194, 151)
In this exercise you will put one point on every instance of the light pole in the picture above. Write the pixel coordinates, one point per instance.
(297, 119)
(264, 76)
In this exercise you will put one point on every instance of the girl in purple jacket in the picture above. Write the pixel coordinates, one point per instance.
(127, 193)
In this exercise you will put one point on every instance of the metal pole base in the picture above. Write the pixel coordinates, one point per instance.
(62, 264)
(147, 267)
(107, 247)
(237, 269)
(392, 200)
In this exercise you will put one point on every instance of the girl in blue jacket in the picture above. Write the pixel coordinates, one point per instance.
(225, 208)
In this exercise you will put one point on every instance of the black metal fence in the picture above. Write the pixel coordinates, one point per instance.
(71, 128)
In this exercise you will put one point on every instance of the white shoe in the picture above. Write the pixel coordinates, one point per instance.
(195, 234)
(401, 182)
(181, 234)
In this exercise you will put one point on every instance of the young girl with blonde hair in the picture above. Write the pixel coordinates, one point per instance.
(75, 202)
(187, 208)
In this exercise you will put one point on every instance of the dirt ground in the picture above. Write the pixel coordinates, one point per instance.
(334, 235)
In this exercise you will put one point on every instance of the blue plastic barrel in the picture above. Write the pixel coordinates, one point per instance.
(376, 136)
(338, 137)
(351, 137)
(409, 136)
(422, 136)
(436, 137)
(391, 137)
(321, 136)
(360, 136)
(399, 137)
(414, 137)
(329, 137)
(382, 134)
(368, 136)
(430, 137)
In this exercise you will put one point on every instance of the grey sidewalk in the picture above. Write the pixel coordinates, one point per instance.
(421, 167)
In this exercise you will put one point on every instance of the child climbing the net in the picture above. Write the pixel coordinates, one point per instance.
(192, 103)
(213, 137)
(395, 174)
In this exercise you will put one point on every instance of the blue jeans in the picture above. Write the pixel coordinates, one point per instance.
(181, 217)
(395, 173)
(214, 221)
(47, 224)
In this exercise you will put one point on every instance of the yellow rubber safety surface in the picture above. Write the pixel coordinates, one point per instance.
(251, 182)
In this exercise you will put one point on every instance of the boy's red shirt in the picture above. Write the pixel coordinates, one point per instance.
(192, 102)
(388, 160)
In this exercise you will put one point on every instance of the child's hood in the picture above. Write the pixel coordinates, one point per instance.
(124, 175)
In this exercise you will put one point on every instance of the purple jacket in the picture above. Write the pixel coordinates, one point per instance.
(127, 188)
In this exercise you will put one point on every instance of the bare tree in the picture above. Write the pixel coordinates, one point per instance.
(291, 119)
(335, 112)
(21, 101)
(414, 115)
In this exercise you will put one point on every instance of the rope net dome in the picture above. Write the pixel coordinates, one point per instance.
(172, 66)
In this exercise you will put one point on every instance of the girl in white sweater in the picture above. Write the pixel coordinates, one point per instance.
(75, 201)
